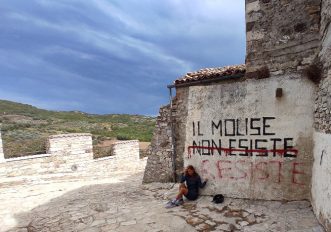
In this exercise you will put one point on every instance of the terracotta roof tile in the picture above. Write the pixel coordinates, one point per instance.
(211, 73)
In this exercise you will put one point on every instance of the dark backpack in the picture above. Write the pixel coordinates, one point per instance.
(218, 198)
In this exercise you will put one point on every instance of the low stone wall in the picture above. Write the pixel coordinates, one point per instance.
(67, 153)
(71, 155)
(70, 143)
(2, 156)
(126, 157)
(126, 150)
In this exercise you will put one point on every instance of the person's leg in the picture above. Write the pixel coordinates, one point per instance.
(179, 198)
(182, 191)
(182, 185)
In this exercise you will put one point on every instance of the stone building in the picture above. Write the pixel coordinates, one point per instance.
(260, 130)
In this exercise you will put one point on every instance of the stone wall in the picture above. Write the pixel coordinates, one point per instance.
(71, 155)
(128, 151)
(287, 41)
(180, 117)
(126, 157)
(250, 143)
(70, 143)
(68, 153)
(323, 99)
(282, 36)
(321, 179)
(2, 156)
(160, 159)
(159, 163)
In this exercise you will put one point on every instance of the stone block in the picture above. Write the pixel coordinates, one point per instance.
(253, 6)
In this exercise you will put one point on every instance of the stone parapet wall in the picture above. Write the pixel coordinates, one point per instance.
(106, 166)
(40, 165)
(67, 153)
(126, 150)
(125, 157)
(282, 36)
(2, 156)
(159, 163)
(71, 155)
(69, 143)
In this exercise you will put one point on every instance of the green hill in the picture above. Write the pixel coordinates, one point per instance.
(25, 128)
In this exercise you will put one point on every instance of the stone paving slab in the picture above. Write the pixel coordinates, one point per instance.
(122, 203)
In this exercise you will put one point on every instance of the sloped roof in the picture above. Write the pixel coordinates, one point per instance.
(212, 73)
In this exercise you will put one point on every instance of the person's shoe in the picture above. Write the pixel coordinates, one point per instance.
(179, 202)
(171, 204)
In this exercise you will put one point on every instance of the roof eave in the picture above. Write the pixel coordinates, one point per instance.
(206, 81)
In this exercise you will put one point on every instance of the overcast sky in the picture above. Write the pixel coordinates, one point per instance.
(112, 56)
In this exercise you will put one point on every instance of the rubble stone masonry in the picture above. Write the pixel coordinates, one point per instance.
(321, 178)
(159, 164)
(282, 36)
(180, 111)
(323, 97)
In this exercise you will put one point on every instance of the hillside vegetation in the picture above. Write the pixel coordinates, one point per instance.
(25, 128)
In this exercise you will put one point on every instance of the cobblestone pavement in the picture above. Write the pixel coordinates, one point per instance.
(121, 203)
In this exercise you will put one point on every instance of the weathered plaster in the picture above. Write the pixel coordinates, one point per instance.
(321, 179)
(289, 118)
(321, 173)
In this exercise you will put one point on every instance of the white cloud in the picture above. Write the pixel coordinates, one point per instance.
(32, 62)
(116, 44)
(68, 51)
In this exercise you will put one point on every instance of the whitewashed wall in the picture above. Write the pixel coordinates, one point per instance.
(2, 157)
(67, 153)
(125, 158)
(127, 150)
(72, 155)
(321, 180)
(285, 122)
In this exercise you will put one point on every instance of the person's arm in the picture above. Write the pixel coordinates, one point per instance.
(202, 184)
(182, 178)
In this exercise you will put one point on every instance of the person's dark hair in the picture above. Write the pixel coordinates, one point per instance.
(191, 168)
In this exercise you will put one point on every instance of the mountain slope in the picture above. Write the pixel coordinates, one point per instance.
(25, 128)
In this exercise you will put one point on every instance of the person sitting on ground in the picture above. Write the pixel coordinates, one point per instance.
(191, 189)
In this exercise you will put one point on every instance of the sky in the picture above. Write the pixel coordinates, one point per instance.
(112, 56)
